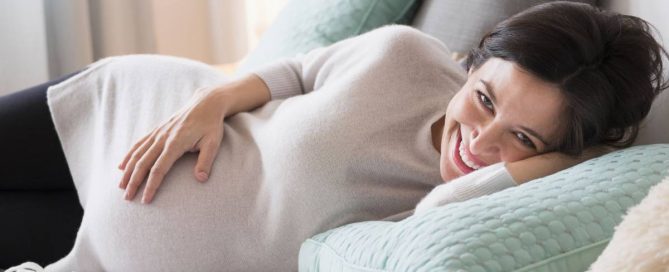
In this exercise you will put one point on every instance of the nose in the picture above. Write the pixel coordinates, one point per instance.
(486, 139)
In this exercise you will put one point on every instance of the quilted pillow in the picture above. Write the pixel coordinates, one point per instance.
(303, 25)
(561, 222)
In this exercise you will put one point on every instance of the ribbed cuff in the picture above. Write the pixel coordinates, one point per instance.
(488, 180)
(485, 181)
(283, 81)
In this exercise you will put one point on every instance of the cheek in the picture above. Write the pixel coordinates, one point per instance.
(462, 110)
(511, 154)
(458, 111)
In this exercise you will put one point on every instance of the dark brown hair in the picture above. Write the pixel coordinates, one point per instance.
(608, 66)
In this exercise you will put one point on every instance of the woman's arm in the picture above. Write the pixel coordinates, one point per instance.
(244, 94)
(545, 164)
(497, 177)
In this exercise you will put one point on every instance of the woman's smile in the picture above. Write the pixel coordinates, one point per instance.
(464, 159)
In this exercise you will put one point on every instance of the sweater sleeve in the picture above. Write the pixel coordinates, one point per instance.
(306, 72)
(485, 181)
(282, 78)
(288, 77)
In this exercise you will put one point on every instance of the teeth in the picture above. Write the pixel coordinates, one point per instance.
(466, 159)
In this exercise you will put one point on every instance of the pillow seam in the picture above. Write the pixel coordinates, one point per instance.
(551, 259)
(405, 11)
(364, 20)
(343, 260)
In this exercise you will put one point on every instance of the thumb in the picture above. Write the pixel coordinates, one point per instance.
(205, 159)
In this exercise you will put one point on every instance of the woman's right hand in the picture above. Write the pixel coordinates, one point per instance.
(196, 127)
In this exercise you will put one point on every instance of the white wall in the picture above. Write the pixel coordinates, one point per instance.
(655, 12)
(23, 44)
(36, 45)
(68, 36)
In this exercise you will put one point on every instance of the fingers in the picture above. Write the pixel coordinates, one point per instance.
(141, 169)
(136, 156)
(132, 150)
(157, 175)
(191, 129)
(208, 152)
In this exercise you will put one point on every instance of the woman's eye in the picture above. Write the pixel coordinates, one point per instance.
(485, 101)
(525, 140)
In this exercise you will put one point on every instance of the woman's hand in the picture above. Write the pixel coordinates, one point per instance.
(196, 127)
(545, 164)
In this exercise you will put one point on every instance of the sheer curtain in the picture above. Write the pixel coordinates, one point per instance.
(44, 39)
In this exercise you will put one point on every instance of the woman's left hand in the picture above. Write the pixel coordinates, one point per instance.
(545, 164)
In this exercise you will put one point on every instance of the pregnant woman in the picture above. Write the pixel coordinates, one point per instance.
(359, 130)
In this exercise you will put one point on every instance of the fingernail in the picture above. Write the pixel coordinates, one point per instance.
(126, 196)
(202, 176)
(144, 200)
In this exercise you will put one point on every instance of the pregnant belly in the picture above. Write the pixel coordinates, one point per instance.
(189, 225)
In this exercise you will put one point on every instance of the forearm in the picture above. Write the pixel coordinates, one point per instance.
(545, 164)
(539, 166)
(244, 94)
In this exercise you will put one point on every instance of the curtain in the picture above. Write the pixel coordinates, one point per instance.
(44, 39)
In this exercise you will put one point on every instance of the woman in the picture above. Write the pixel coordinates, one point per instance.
(378, 125)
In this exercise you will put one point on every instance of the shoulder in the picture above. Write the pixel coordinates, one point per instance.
(404, 45)
(406, 37)
(399, 31)
(410, 50)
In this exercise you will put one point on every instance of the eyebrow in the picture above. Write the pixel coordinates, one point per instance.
(526, 129)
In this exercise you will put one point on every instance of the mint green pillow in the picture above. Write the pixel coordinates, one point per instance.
(561, 222)
(303, 25)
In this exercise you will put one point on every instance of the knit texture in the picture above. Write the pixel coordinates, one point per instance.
(485, 181)
(350, 143)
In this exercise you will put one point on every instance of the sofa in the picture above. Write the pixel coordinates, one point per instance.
(557, 223)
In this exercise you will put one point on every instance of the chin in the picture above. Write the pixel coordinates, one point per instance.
(448, 174)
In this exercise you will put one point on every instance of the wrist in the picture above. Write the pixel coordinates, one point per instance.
(244, 94)
(224, 99)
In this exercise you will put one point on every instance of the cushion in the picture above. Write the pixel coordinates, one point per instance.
(641, 241)
(462, 24)
(306, 24)
(561, 222)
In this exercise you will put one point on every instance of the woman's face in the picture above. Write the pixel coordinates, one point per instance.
(502, 113)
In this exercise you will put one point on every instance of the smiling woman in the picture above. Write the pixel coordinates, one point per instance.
(356, 131)
(587, 54)
(502, 113)
(540, 105)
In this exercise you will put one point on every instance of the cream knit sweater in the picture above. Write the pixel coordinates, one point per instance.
(350, 143)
